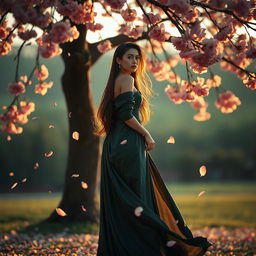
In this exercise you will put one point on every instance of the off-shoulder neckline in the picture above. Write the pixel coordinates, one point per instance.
(125, 93)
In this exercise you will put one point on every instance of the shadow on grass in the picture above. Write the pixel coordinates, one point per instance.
(74, 227)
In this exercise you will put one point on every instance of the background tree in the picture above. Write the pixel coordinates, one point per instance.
(203, 33)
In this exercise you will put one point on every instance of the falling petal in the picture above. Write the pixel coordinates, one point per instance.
(83, 208)
(36, 166)
(34, 118)
(54, 104)
(51, 126)
(48, 154)
(69, 114)
(75, 176)
(201, 193)
(138, 210)
(11, 174)
(9, 138)
(75, 135)
(171, 140)
(49, 191)
(14, 185)
(24, 180)
(60, 212)
(123, 142)
(84, 185)
(176, 221)
(170, 243)
(69, 54)
(202, 170)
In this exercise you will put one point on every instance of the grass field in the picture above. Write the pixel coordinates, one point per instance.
(226, 204)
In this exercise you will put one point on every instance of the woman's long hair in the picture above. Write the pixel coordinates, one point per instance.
(142, 83)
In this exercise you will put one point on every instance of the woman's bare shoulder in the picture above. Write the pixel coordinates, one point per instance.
(124, 83)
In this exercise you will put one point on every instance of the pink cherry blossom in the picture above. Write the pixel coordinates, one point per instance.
(153, 18)
(199, 87)
(173, 94)
(4, 29)
(225, 33)
(186, 92)
(125, 29)
(104, 46)
(49, 50)
(27, 35)
(79, 13)
(94, 26)
(240, 7)
(215, 81)
(61, 32)
(5, 48)
(250, 83)
(41, 73)
(12, 128)
(158, 33)
(181, 6)
(129, 15)
(192, 15)
(26, 108)
(196, 32)
(181, 43)
(136, 32)
(227, 102)
(16, 88)
(202, 115)
(251, 52)
(199, 103)
(116, 4)
(42, 87)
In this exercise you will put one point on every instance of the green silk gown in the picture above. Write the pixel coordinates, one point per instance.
(130, 179)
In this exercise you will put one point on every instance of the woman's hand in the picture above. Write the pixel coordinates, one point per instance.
(150, 143)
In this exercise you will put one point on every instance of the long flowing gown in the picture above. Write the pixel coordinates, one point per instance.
(138, 216)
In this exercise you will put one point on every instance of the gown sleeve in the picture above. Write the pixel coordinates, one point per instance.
(123, 104)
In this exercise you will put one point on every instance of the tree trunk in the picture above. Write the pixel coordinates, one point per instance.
(83, 154)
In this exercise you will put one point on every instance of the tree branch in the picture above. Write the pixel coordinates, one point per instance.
(114, 41)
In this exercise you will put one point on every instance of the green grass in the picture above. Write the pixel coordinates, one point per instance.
(226, 204)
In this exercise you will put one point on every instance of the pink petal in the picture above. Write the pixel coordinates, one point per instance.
(60, 212)
(84, 185)
(83, 208)
(48, 154)
(202, 170)
(36, 166)
(170, 243)
(75, 135)
(123, 142)
(14, 185)
(138, 210)
(201, 193)
(171, 140)
(75, 175)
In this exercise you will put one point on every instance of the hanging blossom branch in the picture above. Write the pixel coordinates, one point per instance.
(227, 11)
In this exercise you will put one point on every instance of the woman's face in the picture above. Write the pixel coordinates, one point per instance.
(130, 61)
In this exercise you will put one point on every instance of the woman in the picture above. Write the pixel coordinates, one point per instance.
(138, 216)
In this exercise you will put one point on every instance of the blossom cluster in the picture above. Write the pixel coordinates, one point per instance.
(16, 114)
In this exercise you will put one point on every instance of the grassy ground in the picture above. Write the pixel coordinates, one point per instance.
(226, 204)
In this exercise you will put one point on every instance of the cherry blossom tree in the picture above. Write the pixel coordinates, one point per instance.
(203, 33)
